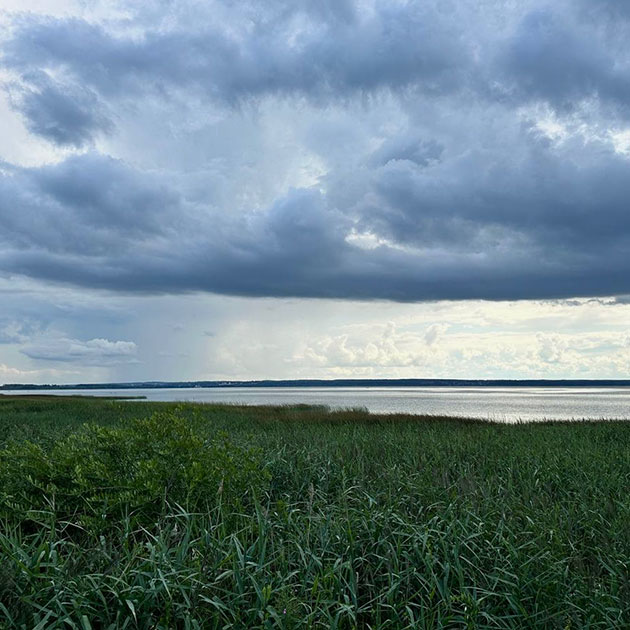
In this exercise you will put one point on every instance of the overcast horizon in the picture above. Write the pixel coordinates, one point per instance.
(314, 189)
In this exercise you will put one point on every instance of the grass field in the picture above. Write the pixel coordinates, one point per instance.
(126, 514)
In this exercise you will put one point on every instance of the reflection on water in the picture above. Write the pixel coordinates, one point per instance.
(497, 403)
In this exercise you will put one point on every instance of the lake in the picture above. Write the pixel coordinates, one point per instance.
(497, 403)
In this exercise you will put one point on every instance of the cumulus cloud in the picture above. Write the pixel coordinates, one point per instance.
(97, 352)
(10, 374)
(551, 348)
(379, 150)
(384, 348)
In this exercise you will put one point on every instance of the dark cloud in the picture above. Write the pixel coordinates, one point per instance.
(533, 226)
(567, 199)
(85, 205)
(548, 58)
(334, 56)
(454, 190)
(66, 114)
(69, 68)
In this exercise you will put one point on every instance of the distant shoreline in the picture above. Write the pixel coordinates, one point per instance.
(72, 397)
(408, 382)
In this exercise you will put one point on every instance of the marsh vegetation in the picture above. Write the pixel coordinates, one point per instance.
(122, 514)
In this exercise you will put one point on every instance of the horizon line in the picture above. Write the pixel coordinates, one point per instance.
(335, 382)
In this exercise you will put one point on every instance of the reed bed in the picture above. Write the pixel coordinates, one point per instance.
(126, 514)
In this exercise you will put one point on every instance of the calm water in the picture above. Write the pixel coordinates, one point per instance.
(497, 403)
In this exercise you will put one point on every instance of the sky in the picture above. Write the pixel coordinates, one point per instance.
(221, 189)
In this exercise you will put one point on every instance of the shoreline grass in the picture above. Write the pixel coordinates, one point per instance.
(123, 514)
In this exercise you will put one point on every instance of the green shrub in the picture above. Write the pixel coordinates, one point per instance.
(100, 472)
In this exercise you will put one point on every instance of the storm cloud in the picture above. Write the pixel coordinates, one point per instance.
(374, 150)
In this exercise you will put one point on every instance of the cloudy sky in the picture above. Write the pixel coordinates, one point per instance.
(209, 189)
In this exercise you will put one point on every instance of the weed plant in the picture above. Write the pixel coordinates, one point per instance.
(158, 516)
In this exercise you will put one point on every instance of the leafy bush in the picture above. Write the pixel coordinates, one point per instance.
(99, 472)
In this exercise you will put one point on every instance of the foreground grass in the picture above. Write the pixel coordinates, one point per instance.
(157, 515)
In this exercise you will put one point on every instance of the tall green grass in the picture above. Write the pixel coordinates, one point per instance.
(153, 515)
